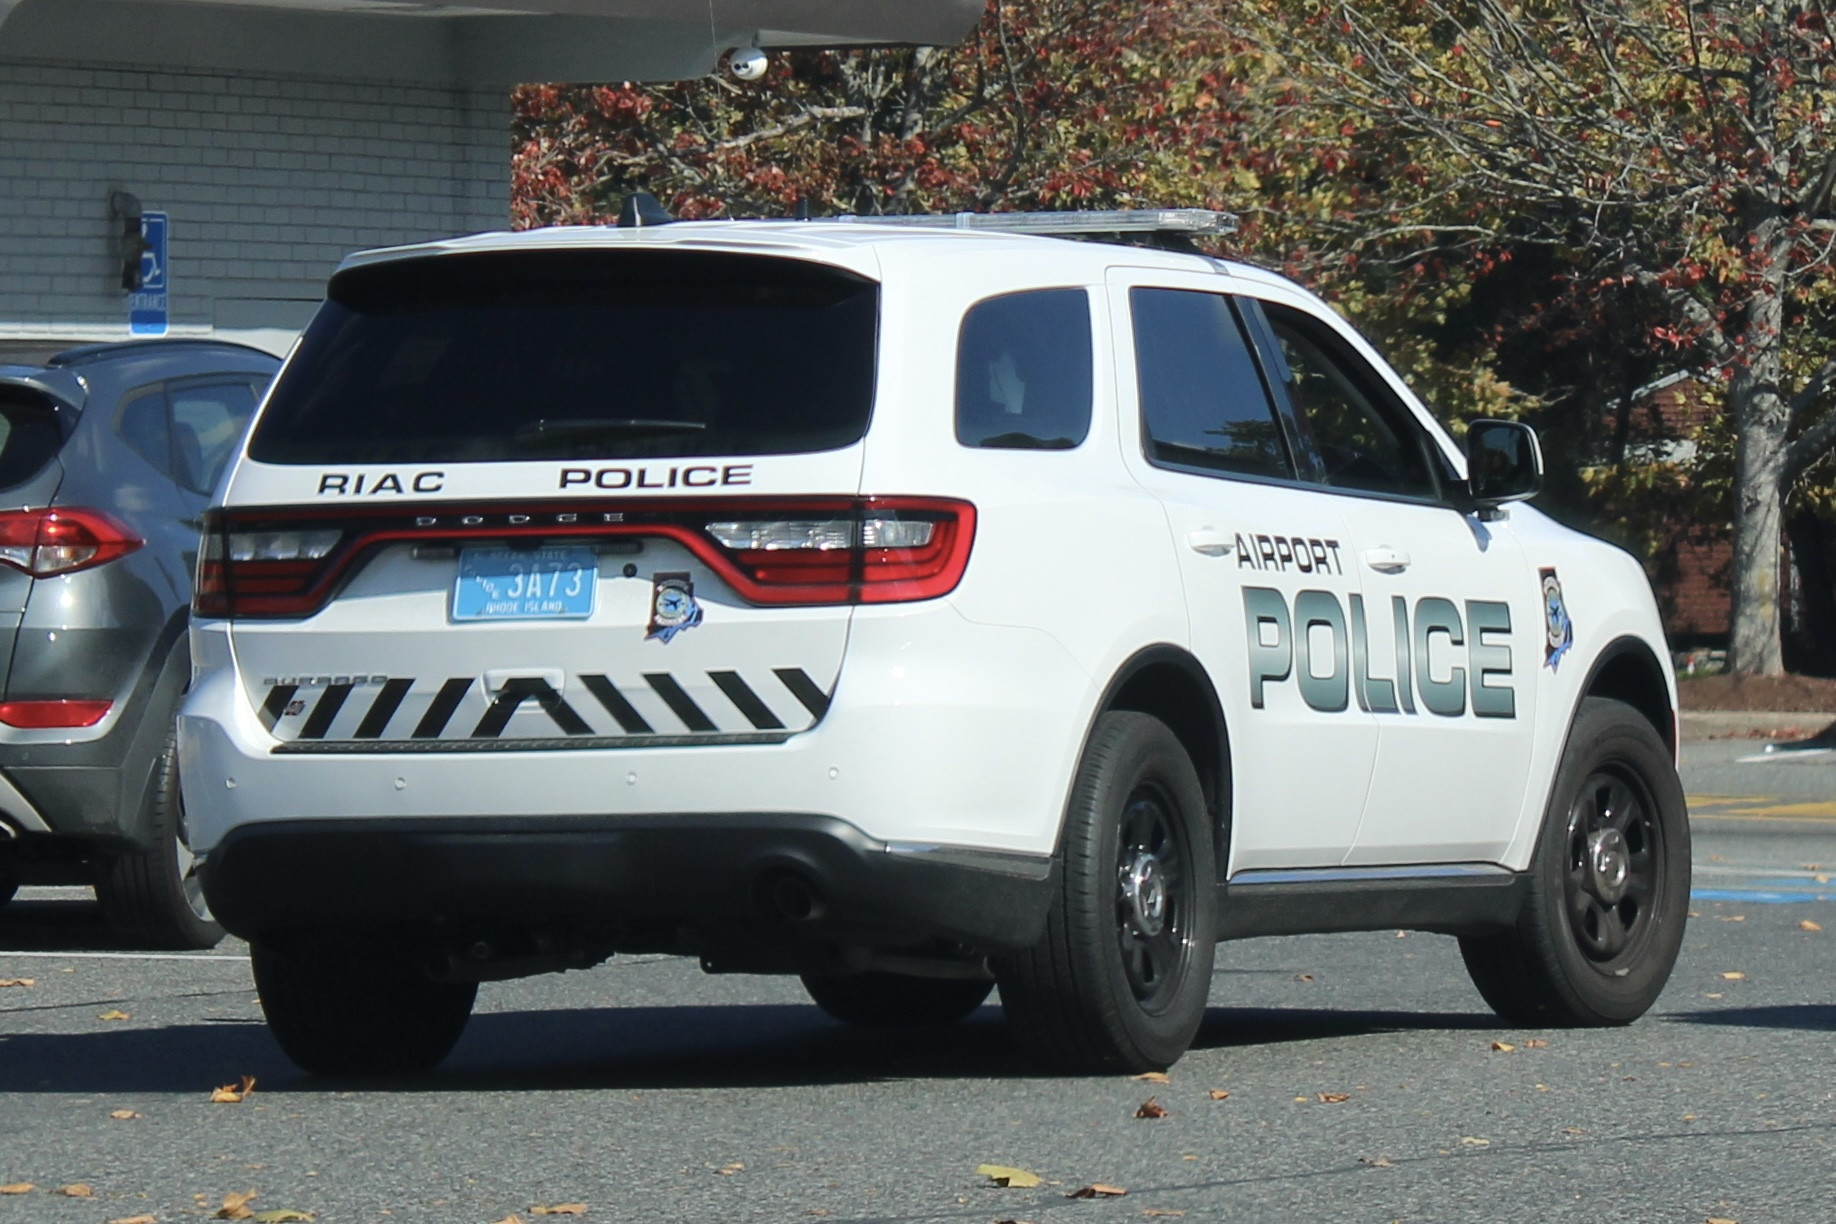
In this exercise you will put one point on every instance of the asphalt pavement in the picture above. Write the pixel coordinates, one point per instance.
(1365, 1081)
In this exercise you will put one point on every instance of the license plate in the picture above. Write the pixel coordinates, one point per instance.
(525, 584)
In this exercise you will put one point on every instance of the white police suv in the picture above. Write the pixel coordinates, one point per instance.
(911, 607)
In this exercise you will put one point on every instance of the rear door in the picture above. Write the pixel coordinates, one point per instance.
(1268, 582)
(560, 499)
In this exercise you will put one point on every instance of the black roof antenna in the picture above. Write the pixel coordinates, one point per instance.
(640, 209)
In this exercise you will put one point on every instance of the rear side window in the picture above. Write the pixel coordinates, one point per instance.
(1202, 400)
(577, 355)
(29, 436)
(1023, 377)
(188, 430)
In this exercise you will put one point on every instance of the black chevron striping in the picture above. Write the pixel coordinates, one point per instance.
(511, 697)
(679, 702)
(440, 709)
(320, 720)
(804, 689)
(272, 708)
(629, 720)
(376, 718)
(740, 694)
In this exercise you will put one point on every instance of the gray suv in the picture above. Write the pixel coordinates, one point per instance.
(108, 454)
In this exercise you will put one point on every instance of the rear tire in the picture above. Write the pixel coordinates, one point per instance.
(346, 1010)
(1603, 919)
(153, 898)
(894, 1000)
(1120, 978)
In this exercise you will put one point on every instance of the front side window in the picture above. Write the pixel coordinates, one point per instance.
(1023, 378)
(1361, 437)
(1203, 403)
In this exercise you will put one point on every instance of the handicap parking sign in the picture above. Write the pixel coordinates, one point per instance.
(147, 306)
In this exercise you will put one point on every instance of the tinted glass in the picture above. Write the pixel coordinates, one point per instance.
(207, 422)
(577, 355)
(29, 435)
(1023, 371)
(1362, 438)
(143, 427)
(1202, 398)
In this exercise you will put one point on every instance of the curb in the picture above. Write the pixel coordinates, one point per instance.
(1752, 724)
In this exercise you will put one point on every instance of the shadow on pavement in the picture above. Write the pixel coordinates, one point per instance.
(1803, 1017)
(733, 1046)
(35, 925)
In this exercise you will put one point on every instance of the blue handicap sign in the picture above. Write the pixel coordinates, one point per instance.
(147, 306)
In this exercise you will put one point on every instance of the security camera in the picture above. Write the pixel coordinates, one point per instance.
(747, 63)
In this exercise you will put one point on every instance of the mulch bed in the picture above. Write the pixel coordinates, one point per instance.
(1784, 694)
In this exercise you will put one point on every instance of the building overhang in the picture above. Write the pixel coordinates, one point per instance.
(479, 44)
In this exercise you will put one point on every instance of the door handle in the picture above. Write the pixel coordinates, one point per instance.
(1210, 542)
(1386, 560)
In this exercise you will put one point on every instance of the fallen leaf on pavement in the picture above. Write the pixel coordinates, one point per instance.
(1151, 1108)
(114, 1013)
(1735, 976)
(283, 1215)
(236, 1205)
(233, 1094)
(1573, 1130)
(560, 1209)
(18, 1188)
(1331, 1098)
(1161, 1211)
(1003, 1175)
(512, 1218)
(1720, 1220)
(1219, 1094)
(1806, 925)
(122, 1115)
(1303, 977)
(1097, 1190)
(1153, 1077)
(1376, 1162)
(18, 981)
(1474, 1141)
(728, 1170)
(139, 1219)
(1536, 1043)
(77, 1190)
(1503, 1047)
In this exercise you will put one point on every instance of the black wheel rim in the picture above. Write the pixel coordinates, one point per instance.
(1613, 871)
(185, 863)
(1153, 899)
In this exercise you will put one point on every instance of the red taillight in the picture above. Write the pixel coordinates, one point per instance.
(45, 543)
(777, 551)
(38, 715)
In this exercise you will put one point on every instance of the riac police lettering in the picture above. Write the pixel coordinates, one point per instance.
(1282, 645)
(371, 484)
(694, 476)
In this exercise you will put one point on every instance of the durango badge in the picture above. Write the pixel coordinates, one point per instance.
(1558, 630)
(672, 606)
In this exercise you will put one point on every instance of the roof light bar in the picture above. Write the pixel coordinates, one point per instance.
(1112, 221)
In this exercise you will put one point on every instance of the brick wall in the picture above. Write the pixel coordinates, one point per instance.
(269, 182)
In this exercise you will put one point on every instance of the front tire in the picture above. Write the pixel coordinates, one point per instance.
(152, 897)
(341, 1009)
(1120, 978)
(894, 1000)
(1603, 920)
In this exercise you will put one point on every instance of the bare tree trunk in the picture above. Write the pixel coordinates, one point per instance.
(1763, 419)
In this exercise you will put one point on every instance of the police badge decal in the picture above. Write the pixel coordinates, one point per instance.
(672, 606)
(1558, 630)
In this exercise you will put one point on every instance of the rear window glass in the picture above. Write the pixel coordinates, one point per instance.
(577, 355)
(1023, 371)
(29, 435)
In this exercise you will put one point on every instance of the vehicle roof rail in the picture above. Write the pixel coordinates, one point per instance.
(117, 348)
(1184, 222)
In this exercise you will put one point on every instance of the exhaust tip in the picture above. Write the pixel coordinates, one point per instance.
(794, 899)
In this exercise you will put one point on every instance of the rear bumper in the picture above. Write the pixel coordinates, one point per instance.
(669, 882)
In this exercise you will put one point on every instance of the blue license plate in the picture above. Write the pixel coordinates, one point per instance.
(525, 584)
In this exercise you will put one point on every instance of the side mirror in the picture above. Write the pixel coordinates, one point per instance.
(1503, 464)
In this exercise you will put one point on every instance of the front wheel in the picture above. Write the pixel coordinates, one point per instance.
(345, 1009)
(894, 1000)
(1603, 919)
(1120, 978)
